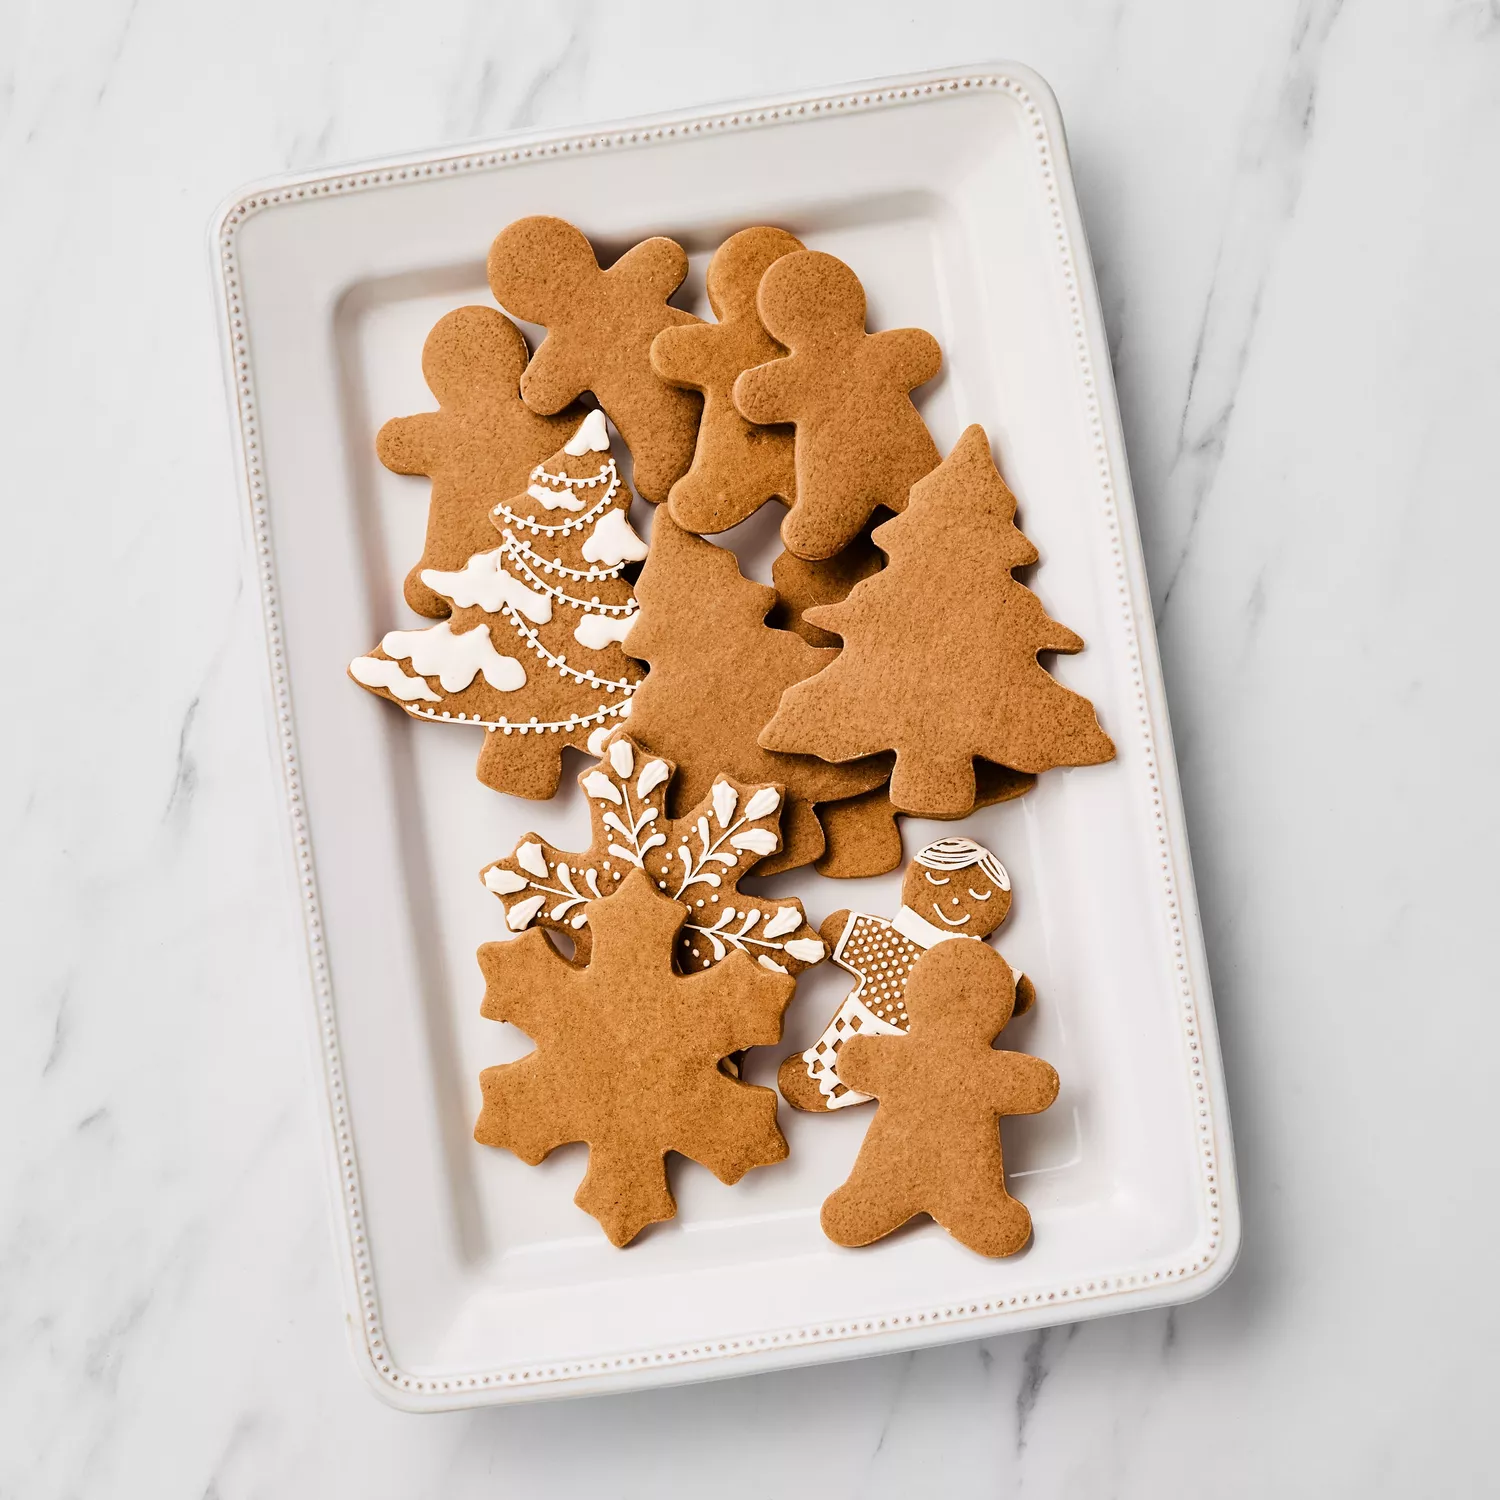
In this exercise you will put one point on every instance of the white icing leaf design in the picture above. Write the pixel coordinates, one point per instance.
(529, 857)
(806, 950)
(581, 920)
(652, 842)
(504, 882)
(726, 799)
(520, 915)
(652, 777)
(628, 855)
(613, 820)
(787, 919)
(762, 804)
(767, 962)
(597, 739)
(718, 947)
(591, 879)
(620, 758)
(757, 840)
(597, 784)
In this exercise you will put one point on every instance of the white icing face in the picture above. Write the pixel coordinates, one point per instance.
(455, 659)
(484, 583)
(592, 436)
(613, 541)
(964, 900)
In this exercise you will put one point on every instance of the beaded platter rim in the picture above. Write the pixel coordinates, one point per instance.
(1184, 1277)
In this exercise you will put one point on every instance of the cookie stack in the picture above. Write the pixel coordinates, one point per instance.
(733, 728)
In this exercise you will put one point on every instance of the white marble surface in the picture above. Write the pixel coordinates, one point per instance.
(1294, 216)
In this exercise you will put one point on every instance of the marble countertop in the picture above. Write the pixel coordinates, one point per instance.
(1293, 215)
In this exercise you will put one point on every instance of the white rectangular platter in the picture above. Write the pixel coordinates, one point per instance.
(472, 1278)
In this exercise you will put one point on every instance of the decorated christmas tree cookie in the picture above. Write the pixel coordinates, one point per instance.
(628, 1056)
(479, 446)
(940, 652)
(697, 860)
(934, 1144)
(954, 889)
(600, 326)
(717, 674)
(860, 441)
(737, 466)
(530, 652)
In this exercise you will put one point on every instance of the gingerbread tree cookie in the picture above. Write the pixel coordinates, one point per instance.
(600, 325)
(478, 447)
(531, 649)
(696, 860)
(934, 1144)
(627, 1058)
(737, 466)
(860, 442)
(953, 889)
(717, 674)
(940, 660)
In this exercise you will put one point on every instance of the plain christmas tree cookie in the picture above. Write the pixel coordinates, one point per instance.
(530, 652)
(481, 443)
(860, 441)
(737, 465)
(628, 1055)
(697, 860)
(717, 674)
(600, 327)
(942, 1089)
(940, 652)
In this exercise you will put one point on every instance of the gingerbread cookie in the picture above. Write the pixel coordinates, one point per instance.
(531, 649)
(802, 585)
(478, 447)
(600, 325)
(860, 442)
(940, 652)
(717, 674)
(627, 1057)
(934, 1144)
(737, 466)
(954, 889)
(696, 860)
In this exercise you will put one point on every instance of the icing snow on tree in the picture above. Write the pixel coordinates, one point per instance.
(531, 651)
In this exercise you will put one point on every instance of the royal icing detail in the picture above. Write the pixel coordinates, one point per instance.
(484, 583)
(614, 541)
(592, 436)
(697, 860)
(455, 660)
(597, 631)
(377, 672)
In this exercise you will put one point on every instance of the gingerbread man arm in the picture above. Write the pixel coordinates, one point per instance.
(832, 928)
(911, 355)
(657, 265)
(555, 375)
(1015, 1083)
(765, 393)
(677, 354)
(870, 1064)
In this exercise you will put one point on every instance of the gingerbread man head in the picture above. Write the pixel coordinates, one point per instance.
(958, 886)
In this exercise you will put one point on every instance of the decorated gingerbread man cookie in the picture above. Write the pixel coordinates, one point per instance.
(737, 466)
(860, 441)
(934, 1144)
(955, 889)
(600, 326)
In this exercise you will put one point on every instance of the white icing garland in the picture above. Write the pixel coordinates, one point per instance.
(573, 523)
(609, 684)
(519, 554)
(556, 564)
(504, 726)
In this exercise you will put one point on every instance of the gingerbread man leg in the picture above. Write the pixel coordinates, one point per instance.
(810, 1081)
(1000, 1226)
(525, 765)
(868, 1206)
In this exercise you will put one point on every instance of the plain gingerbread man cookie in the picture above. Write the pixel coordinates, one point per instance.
(737, 465)
(934, 1144)
(600, 326)
(860, 441)
(481, 443)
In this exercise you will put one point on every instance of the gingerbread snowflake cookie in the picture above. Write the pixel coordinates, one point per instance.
(697, 860)
(954, 889)
(531, 650)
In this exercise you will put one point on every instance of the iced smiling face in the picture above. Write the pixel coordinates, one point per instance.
(958, 886)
